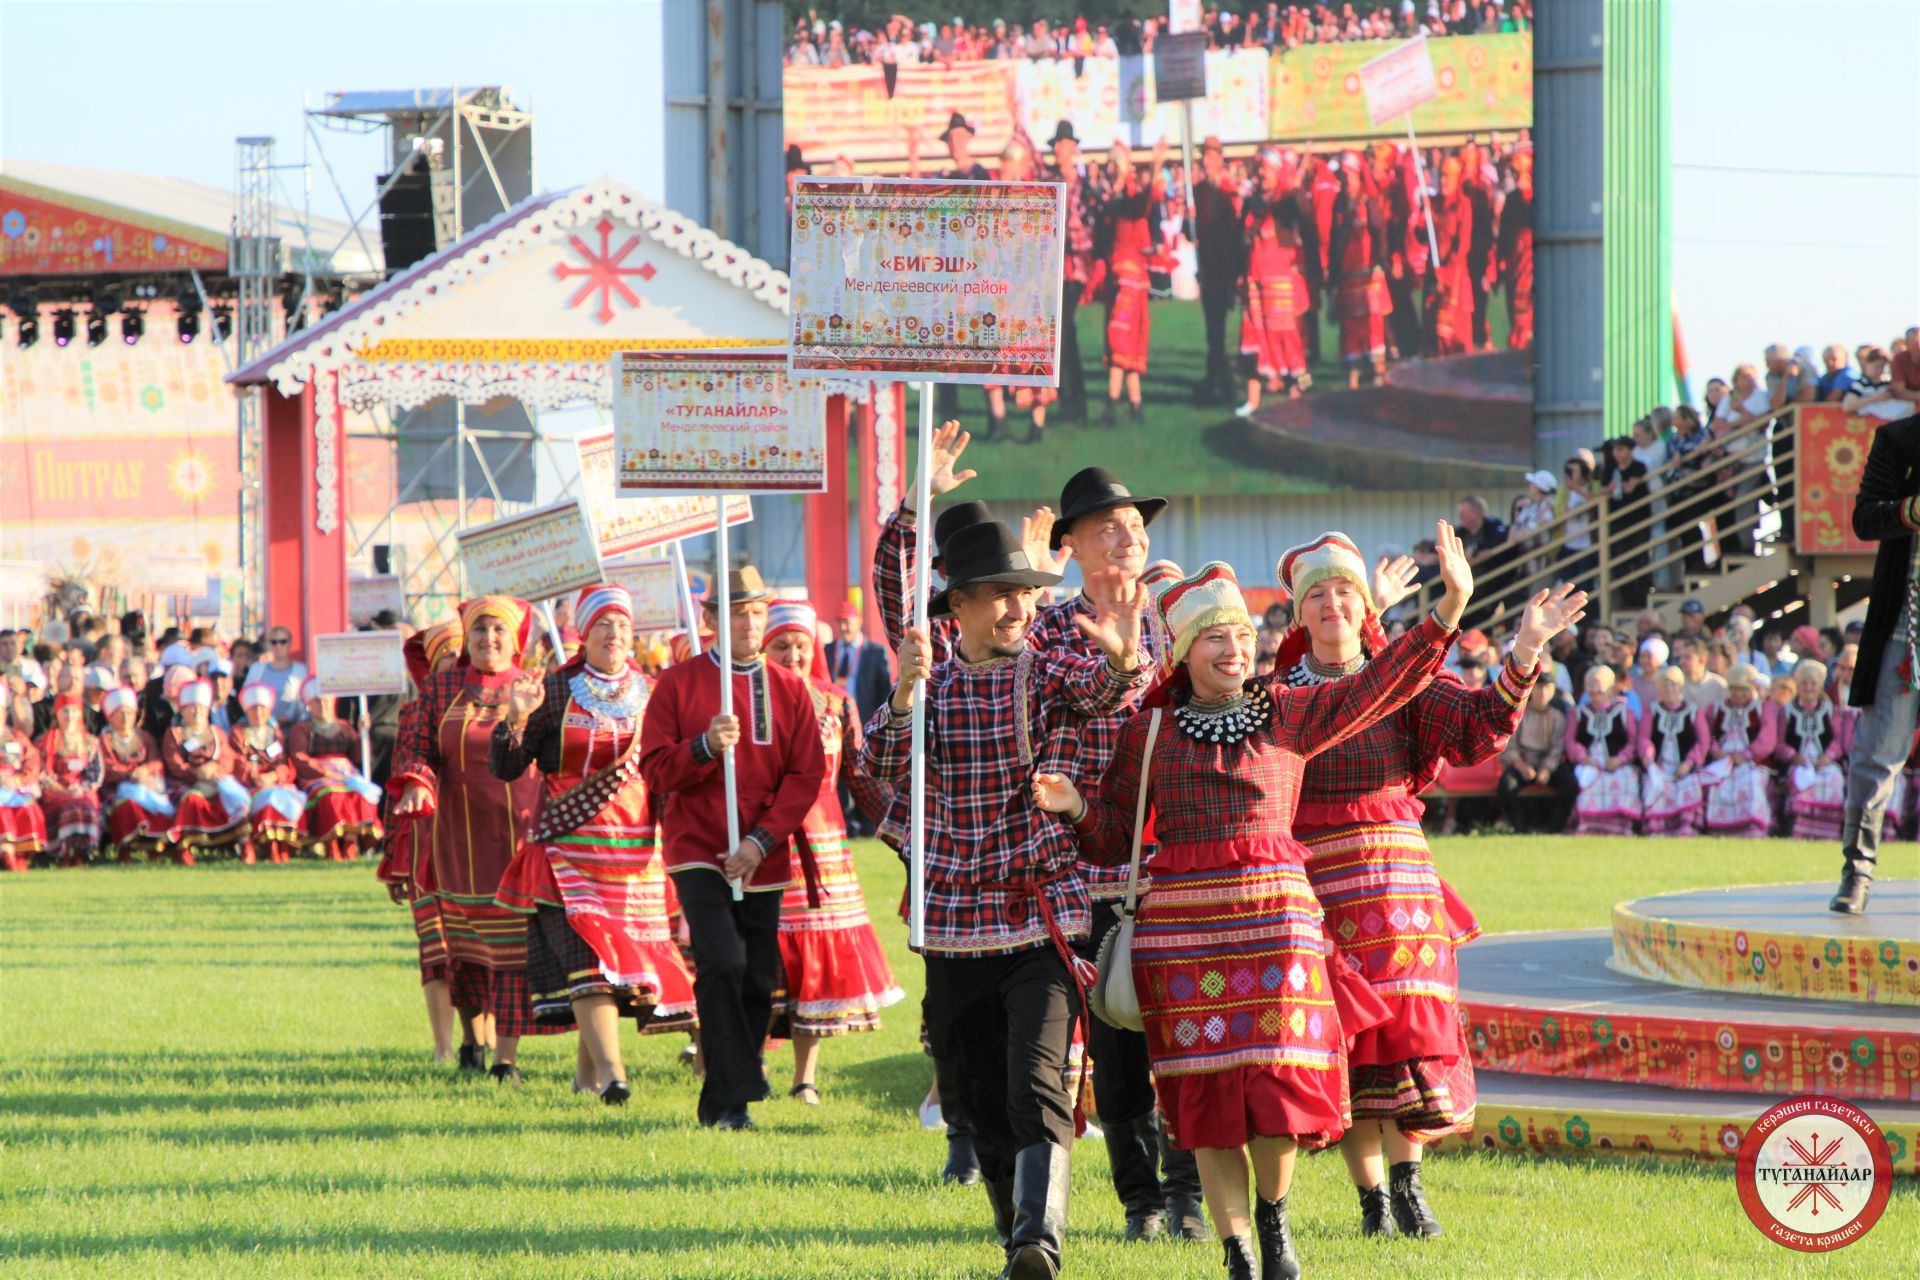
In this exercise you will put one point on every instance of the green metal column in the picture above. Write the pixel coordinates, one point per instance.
(1638, 237)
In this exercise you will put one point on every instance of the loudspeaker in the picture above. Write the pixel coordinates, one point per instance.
(406, 219)
(382, 559)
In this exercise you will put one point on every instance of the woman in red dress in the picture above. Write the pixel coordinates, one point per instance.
(406, 861)
(838, 978)
(1248, 1008)
(1275, 293)
(476, 823)
(70, 777)
(262, 764)
(132, 779)
(1359, 255)
(1130, 252)
(23, 828)
(210, 803)
(343, 808)
(1388, 911)
(597, 940)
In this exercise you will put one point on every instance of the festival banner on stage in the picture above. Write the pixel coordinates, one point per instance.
(655, 592)
(1831, 456)
(175, 575)
(710, 422)
(360, 664)
(536, 556)
(369, 596)
(944, 281)
(833, 112)
(627, 525)
(1482, 83)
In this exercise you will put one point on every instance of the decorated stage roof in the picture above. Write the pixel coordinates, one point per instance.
(64, 220)
(534, 304)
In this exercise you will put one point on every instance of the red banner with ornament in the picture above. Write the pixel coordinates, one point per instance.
(44, 232)
(1831, 455)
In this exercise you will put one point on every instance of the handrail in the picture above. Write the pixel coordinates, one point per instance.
(1712, 482)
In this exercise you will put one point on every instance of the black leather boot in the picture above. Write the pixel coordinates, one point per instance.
(1040, 1189)
(1180, 1182)
(473, 1057)
(1410, 1211)
(963, 1167)
(1133, 1152)
(1239, 1260)
(1376, 1213)
(1278, 1261)
(1860, 844)
(1000, 1196)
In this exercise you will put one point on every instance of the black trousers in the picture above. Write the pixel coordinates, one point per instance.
(1005, 1023)
(1538, 813)
(1216, 304)
(736, 951)
(1073, 375)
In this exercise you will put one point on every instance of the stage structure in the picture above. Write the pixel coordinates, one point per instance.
(526, 310)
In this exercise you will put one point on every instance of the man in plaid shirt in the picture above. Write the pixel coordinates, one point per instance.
(1005, 898)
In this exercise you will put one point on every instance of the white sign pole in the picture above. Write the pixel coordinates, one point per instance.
(1426, 201)
(723, 641)
(922, 570)
(366, 742)
(686, 597)
(553, 633)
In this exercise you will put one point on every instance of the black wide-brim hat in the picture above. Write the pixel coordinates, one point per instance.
(960, 515)
(1095, 489)
(988, 552)
(955, 121)
(1063, 132)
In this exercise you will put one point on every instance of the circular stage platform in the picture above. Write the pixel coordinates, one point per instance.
(1776, 940)
(1547, 1004)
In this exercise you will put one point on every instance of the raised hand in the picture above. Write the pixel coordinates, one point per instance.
(949, 442)
(1055, 793)
(916, 659)
(1115, 625)
(524, 699)
(1455, 572)
(1546, 615)
(1036, 539)
(1393, 581)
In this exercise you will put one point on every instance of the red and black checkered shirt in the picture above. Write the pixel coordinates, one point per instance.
(893, 588)
(990, 851)
(1211, 792)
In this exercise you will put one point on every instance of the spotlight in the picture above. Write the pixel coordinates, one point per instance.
(28, 331)
(133, 325)
(63, 326)
(96, 328)
(187, 325)
(222, 321)
(291, 293)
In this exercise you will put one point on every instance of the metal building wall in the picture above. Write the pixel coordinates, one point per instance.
(1570, 348)
(1639, 235)
(731, 145)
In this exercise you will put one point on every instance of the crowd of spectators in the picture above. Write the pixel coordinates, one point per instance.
(818, 41)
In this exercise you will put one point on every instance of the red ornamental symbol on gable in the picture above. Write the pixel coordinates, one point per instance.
(603, 271)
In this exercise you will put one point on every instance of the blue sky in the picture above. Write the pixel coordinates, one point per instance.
(1797, 179)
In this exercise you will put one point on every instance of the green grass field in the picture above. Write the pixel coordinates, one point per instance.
(224, 1072)
(1186, 448)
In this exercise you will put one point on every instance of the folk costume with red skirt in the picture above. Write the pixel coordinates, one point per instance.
(1122, 276)
(473, 832)
(265, 768)
(1738, 783)
(210, 812)
(1275, 295)
(1387, 909)
(70, 778)
(1609, 799)
(598, 919)
(1515, 262)
(1247, 1027)
(1450, 298)
(133, 785)
(1359, 251)
(340, 803)
(1812, 754)
(23, 828)
(1669, 737)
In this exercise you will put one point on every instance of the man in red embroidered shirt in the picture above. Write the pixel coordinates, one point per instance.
(1005, 898)
(778, 767)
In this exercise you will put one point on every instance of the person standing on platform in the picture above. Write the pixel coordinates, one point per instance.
(1005, 899)
(472, 824)
(1275, 291)
(779, 767)
(1450, 287)
(1387, 909)
(1358, 255)
(1247, 1004)
(1515, 252)
(1127, 250)
(1214, 229)
(838, 978)
(1887, 672)
(598, 945)
(1082, 213)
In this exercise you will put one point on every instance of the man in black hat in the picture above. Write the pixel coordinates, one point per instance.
(1103, 526)
(1082, 212)
(1887, 511)
(1005, 900)
(1214, 229)
(959, 139)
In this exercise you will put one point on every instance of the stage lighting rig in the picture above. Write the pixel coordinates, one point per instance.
(26, 309)
(133, 325)
(96, 329)
(63, 326)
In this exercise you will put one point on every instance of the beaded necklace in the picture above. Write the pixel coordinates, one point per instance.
(1224, 720)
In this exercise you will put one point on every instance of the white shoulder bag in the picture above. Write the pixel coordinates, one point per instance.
(1113, 998)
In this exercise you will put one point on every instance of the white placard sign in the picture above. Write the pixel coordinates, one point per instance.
(22, 581)
(359, 663)
(369, 596)
(710, 422)
(1183, 15)
(535, 556)
(655, 592)
(170, 574)
(1398, 81)
(627, 525)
